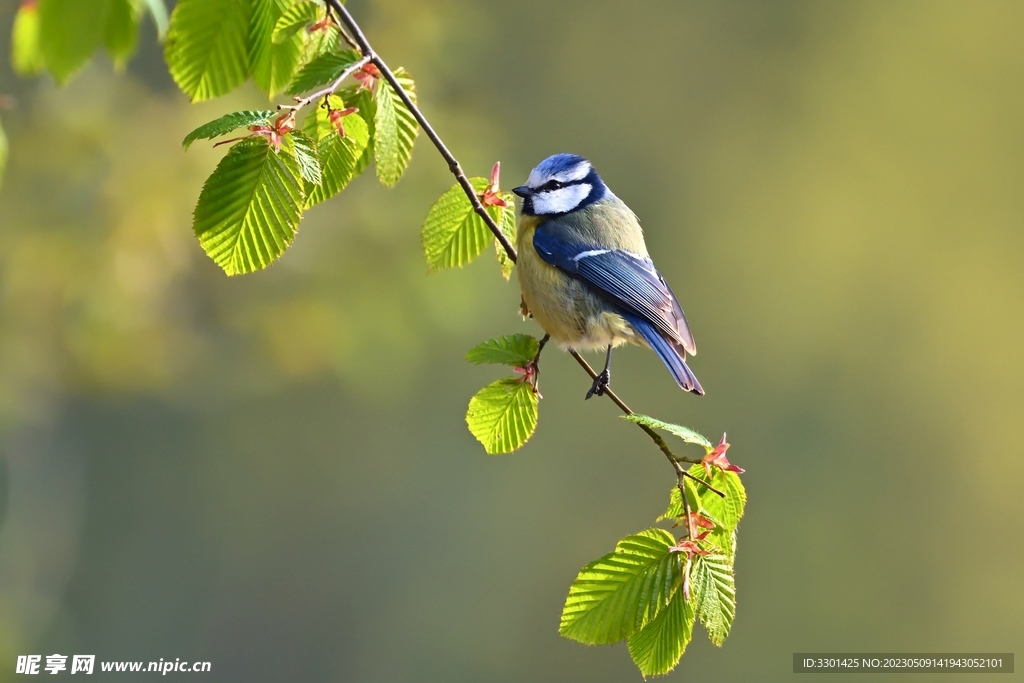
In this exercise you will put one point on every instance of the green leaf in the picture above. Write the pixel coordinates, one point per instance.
(3, 154)
(295, 19)
(273, 64)
(308, 158)
(659, 646)
(714, 594)
(503, 415)
(395, 129)
(70, 31)
(320, 71)
(508, 228)
(321, 41)
(339, 156)
(453, 233)
(515, 350)
(616, 596)
(227, 123)
(207, 46)
(158, 10)
(121, 36)
(684, 433)
(364, 100)
(26, 51)
(724, 511)
(249, 209)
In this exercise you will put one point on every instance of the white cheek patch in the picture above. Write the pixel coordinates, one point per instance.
(560, 201)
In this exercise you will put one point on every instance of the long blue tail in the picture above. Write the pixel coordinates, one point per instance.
(671, 354)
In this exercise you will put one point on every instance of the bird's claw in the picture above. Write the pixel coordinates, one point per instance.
(600, 384)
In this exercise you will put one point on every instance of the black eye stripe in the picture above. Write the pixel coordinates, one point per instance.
(558, 184)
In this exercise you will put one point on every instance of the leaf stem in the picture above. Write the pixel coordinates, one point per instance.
(348, 22)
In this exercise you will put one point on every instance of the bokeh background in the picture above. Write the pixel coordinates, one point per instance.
(272, 472)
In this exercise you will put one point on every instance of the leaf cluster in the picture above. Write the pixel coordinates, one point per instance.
(653, 588)
(250, 208)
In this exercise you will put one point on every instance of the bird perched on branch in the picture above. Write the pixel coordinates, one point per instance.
(585, 274)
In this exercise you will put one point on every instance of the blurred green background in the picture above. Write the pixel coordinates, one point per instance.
(272, 472)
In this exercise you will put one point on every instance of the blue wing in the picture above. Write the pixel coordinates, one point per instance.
(671, 354)
(626, 279)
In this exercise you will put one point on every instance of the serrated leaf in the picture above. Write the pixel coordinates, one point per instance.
(503, 415)
(158, 10)
(684, 433)
(720, 537)
(515, 350)
(227, 123)
(321, 70)
(659, 646)
(207, 46)
(26, 51)
(121, 35)
(616, 596)
(453, 233)
(3, 154)
(296, 18)
(249, 209)
(70, 31)
(713, 594)
(395, 129)
(339, 157)
(508, 228)
(320, 42)
(308, 157)
(364, 100)
(725, 512)
(273, 64)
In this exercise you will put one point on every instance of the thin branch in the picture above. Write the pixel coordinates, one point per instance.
(346, 21)
(659, 441)
(329, 90)
(453, 164)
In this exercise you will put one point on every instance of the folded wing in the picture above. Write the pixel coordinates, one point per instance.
(626, 279)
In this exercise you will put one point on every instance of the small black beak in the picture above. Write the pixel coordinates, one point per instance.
(523, 191)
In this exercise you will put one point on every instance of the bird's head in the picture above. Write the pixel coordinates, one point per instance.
(560, 184)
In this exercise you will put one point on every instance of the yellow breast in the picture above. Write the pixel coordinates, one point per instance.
(562, 305)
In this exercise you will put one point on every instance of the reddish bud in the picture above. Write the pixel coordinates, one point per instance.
(367, 76)
(320, 25)
(716, 457)
(336, 115)
(700, 520)
(490, 196)
(690, 547)
(529, 374)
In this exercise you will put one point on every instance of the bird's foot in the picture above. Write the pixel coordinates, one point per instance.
(600, 383)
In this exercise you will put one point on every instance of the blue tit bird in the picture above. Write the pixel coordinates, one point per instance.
(585, 274)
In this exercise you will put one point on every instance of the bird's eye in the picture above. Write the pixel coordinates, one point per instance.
(553, 185)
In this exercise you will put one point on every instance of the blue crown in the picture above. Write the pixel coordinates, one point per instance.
(556, 163)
